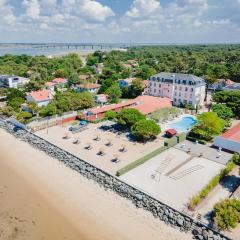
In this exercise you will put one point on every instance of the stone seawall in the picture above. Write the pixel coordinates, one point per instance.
(140, 199)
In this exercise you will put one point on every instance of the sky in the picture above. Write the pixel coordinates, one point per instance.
(120, 21)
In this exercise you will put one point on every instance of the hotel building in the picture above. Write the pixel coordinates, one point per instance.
(182, 89)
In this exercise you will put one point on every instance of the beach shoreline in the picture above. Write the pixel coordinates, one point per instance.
(49, 192)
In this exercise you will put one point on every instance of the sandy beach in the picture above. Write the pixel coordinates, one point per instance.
(40, 198)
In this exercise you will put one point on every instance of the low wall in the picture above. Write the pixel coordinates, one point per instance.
(140, 199)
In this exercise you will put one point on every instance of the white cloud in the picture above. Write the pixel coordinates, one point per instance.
(94, 10)
(32, 8)
(141, 8)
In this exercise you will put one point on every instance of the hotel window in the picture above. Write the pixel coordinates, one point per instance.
(175, 87)
(191, 89)
(154, 84)
(155, 90)
(175, 99)
(175, 94)
(185, 95)
(180, 88)
(186, 89)
(190, 96)
(179, 94)
(150, 84)
(160, 85)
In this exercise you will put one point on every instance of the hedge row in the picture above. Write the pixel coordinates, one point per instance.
(193, 139)
(195, 200)
(141, 160)
(167, 144)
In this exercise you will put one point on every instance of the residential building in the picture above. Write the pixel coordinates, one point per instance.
(88, 87)
(230, 140)
(181, 88)
(41, 97)
(125, 82)
(232, 87)
(99, 68)
(84, 77)
(58, 83)
(220, 84)
(7, 81)
(145, 104)
(101, 99)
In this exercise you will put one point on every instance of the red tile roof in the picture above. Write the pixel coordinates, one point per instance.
(233, 133)
(89, 85)
(145, 104)
(59, 80)
(229, 82)
(49, 84)
(111, 107)
(42, 95)
(171, 132)
(148, 104)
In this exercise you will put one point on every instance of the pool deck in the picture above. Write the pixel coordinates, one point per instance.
(167, 125)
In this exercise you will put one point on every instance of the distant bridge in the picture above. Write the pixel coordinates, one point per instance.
(79, 45)
(70, 45)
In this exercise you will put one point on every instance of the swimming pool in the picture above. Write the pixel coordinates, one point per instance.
(185, 124)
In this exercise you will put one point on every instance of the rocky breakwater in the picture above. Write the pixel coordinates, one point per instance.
(140, 199)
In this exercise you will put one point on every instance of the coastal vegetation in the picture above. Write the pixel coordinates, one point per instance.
(195, 200)
(227, 213)
(209, 125)
(129, 116)
(230, 99)
(67, 101)
(145, 129)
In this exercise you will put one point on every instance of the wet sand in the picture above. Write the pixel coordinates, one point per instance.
(41, 199)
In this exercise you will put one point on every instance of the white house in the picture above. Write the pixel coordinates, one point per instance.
(88, 87)
(180, 88)
(7, 81)
(59, 83)
(41, 97)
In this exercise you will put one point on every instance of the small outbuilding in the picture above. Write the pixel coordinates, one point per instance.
(170, 132)
(230, 140)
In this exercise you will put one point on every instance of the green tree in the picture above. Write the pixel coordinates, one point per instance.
(33, 85)
(7, 111)
(92, 60)
(105, 85)
(222, 111)
(227, 213)
(61, 73)
(114, 93)
(13, 93)
(230, 98)
(16, 103)
(145, 129)
(48, 110)
(209, 124)
(110, 115)
(136, 88)
(129, 116)
(236, 158)
(24, 117)
(73, 79)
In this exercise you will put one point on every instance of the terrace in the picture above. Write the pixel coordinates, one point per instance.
(104, 145)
